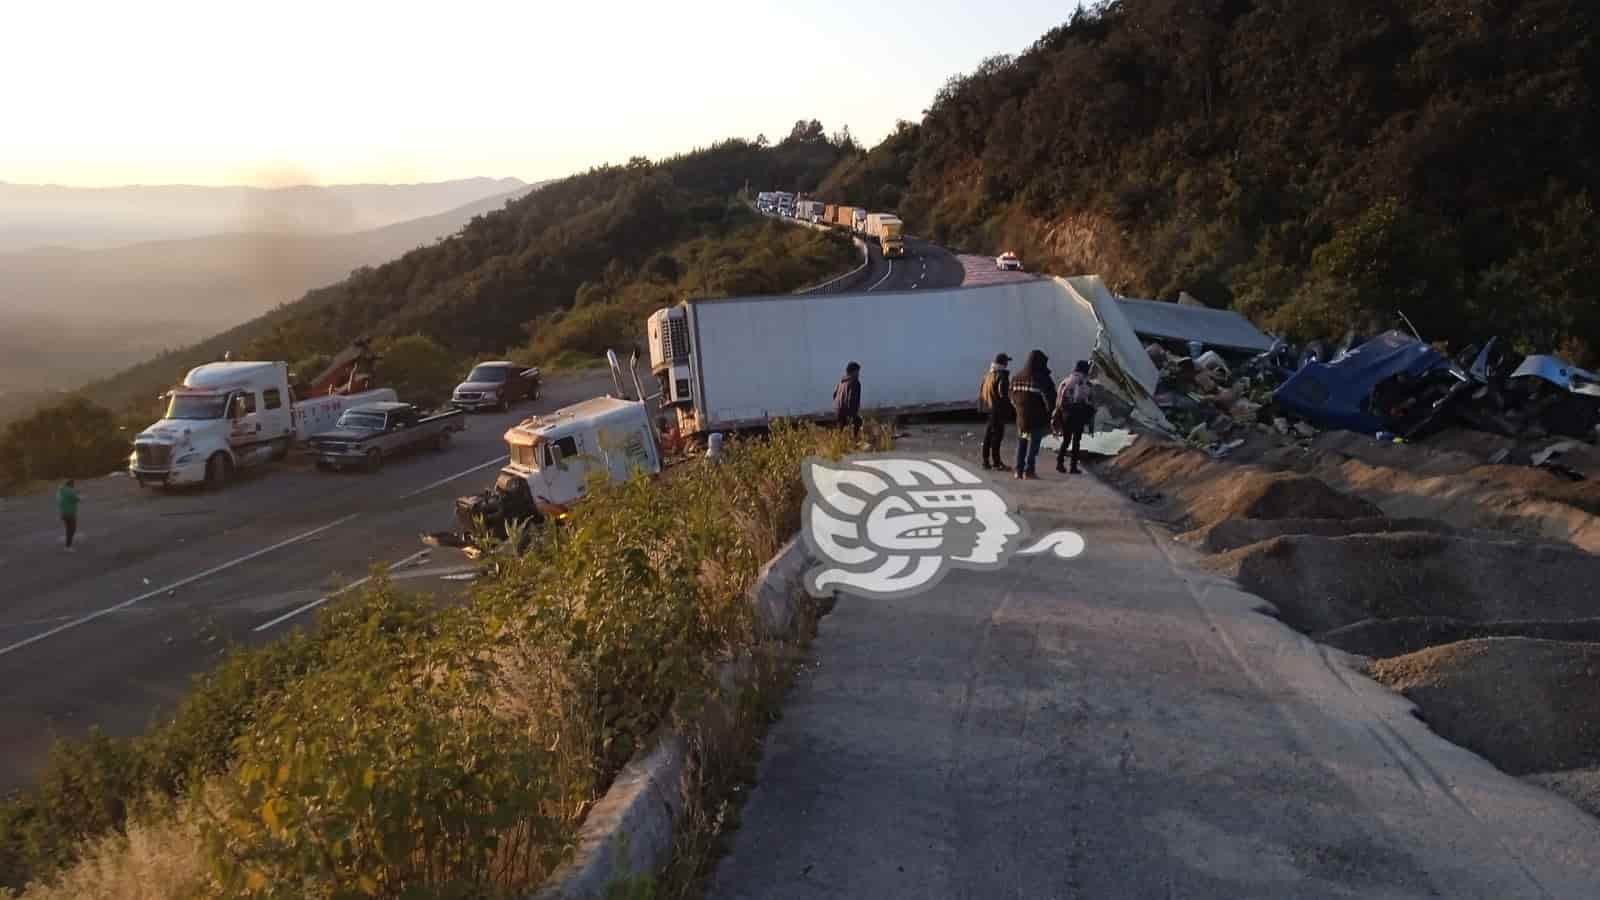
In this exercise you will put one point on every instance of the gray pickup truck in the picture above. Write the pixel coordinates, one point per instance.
(367, 435)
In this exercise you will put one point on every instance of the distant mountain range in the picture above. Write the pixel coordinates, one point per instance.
(68, 316)
(52, 216)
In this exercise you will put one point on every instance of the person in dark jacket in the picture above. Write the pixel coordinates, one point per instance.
(1076, 410)
(847, 399)
(1033, 396)
(994, 398)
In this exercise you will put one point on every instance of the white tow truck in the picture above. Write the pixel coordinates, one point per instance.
(228, 416)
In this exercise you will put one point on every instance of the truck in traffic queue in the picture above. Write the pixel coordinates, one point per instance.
(886, 228)
(808, 211)
(785, 203)
(843, 217)
(743, 362)
(228, 416)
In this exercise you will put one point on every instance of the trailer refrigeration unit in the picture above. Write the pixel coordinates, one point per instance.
(744, 362)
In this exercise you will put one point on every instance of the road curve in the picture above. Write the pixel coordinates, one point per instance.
(161, 583)
(925, 266)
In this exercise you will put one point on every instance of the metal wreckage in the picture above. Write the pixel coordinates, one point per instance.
(1393, 386)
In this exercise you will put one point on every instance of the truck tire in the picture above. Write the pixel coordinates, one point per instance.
(280, 448)
(219, 470)
(504, 405)
(374, 459)
(442, 442)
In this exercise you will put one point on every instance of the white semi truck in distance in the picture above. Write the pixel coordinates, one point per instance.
(228, 416)
(743, 362)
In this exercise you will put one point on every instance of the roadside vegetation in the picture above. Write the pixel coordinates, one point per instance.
(402, 749)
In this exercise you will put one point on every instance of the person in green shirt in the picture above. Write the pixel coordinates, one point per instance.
(67, 505)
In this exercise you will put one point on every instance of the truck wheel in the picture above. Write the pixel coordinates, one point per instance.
(218, 470)
(442, 442)
(280, 448)
(374, 460)
(504, 405)
(323, 466)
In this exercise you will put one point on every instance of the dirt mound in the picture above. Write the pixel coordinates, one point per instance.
(1405, 480)
(1231, 534)
(1581, 786)
(1526, 705)
(1381, 638)
(1323, 583)
(1208, 491)
(1284, 495)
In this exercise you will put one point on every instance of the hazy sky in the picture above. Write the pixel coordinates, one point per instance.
(161, 91)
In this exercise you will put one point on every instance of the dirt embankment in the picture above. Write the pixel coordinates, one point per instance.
(1472, 585)
(1323, 583)
(1467, 690)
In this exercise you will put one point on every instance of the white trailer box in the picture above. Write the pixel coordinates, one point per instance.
(743, 362)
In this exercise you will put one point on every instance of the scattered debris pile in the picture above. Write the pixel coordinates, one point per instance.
(1391, 387)
(1467, 583)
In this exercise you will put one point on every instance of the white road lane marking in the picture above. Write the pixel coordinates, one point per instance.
(446, 480)
(884, 278)
(326, 597)
(90, 617)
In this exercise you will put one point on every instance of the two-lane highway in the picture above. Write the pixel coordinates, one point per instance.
(160, 583)
(924, 266)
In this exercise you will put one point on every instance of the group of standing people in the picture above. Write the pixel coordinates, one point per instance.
(1031, 398)
(1039, 406)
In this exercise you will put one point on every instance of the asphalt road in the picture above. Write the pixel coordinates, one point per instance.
(924, 266)
(160, 583)
(1119, 724)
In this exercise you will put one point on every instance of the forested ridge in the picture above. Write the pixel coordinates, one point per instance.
(554, 278)
(1316, 165)
(504, 282)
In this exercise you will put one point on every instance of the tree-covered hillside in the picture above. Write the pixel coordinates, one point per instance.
(1318, 165)
(509, 276)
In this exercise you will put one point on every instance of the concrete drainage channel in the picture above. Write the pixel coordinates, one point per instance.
(629, 832)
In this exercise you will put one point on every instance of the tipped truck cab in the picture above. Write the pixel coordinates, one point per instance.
(232, 415)
(557, 454)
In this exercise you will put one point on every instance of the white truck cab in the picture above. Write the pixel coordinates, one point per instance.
(557, 453)
(232, 415)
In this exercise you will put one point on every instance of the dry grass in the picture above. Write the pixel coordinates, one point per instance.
(157, 858)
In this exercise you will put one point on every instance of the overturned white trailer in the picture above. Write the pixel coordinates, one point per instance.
(744, 362)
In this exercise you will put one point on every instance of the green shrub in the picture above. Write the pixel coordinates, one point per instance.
(401, 750)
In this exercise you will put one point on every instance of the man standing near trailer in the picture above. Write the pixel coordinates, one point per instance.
(847, 399)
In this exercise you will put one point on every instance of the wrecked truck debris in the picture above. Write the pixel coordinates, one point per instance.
(1340, 394)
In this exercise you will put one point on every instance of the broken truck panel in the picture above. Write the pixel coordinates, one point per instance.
(1222, 328)
(1339, 394)
(1561, 373)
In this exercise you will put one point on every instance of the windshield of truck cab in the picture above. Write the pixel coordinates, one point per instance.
(197, 406)
(488, 374)
(361, 421)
